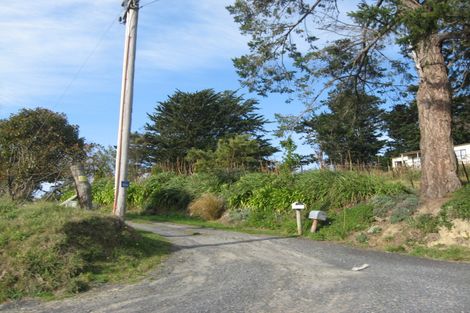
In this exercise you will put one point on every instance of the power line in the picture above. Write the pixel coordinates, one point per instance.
(85, 62)
(148, 3)
(78, 72)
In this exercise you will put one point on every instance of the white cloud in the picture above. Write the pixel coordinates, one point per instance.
(44, 43)
(204, 35)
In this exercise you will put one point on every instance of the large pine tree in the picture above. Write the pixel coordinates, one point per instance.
(198, 120)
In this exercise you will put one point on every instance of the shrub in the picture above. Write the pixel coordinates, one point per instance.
(208, 207)
(166, 200)
(239, 193)
(405, 206)
(400, 206)
(103, 191)
(382, 204)
(201, 183)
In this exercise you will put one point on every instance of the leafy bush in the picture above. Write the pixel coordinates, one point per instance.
(382, 204)
(208, 207)
(459, 205)
(239, 193)
(201, 183)
(103, 191)
(46, 249)
(167, 199)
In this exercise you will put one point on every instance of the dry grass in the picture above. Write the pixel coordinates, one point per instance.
(207, 207)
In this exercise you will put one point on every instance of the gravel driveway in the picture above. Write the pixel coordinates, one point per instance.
(218, 271)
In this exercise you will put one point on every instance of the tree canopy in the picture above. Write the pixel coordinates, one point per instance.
(287, 55)
(36, 146)
(348, 133)
(199, 120)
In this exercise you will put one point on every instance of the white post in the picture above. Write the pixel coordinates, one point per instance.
(299, 222)
(120, 182)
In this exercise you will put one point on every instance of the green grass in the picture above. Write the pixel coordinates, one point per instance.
(459, 205)
(50, 251)
(342, 224)
(452, 253)
(181, 218)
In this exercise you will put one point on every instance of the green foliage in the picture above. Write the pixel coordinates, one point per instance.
(290, 160)
(103, 191)
(237, 153)
(461, 120)
(341, 224)
(238, 194)
(459, 205)
(268, 197)
(167, 199)
(348, 133)
(334, 190)
(47, 249)
(198, 121)
(286, 56)
(396, 249)
(402, 126)
(36, 146)
(270, 207)
(100, 161)
(168, 191)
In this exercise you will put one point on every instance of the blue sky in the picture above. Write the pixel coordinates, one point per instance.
(67, 56)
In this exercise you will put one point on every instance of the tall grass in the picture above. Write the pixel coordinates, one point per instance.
(47, 250)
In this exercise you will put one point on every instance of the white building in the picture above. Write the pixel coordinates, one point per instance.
(413, 158)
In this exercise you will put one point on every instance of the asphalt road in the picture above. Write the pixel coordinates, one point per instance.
(216, 271)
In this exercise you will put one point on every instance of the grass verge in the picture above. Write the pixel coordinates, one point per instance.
(181, 218)
(452, 253)
(49, 251)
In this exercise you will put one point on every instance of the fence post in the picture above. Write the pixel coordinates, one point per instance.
(82, 186)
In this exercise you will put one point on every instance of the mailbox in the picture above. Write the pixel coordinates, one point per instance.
(298, 206)
(317, 215)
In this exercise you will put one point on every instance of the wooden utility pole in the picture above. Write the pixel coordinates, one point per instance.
(130, 17)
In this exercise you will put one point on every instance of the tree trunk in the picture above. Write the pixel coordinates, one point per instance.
(82, 186)
(438, 163)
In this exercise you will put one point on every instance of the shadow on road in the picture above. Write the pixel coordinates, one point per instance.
(180, 247)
